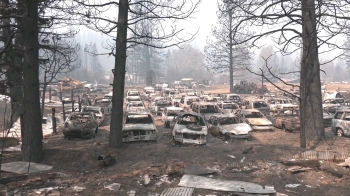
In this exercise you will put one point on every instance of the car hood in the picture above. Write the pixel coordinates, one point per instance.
(237, 129)
(259, 121)
(128, 127)
(183, 129)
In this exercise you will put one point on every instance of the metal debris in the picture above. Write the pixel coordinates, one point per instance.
(292, 185)
(322, 155)
(113, 186)
(223, 185)
(183, 191)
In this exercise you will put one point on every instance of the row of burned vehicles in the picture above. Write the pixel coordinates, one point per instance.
(192, 116)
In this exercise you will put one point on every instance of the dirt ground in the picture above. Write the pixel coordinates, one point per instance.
(76, 170)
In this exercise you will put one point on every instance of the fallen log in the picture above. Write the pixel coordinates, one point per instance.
(303, 163)
(333, 172)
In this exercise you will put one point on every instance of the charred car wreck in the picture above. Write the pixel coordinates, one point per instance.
(139, 127)
(80, 124)
(190, 128)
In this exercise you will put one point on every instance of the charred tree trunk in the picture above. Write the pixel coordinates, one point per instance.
(231, 53)
(149, 76)
(116, 134)
(311, 114)
(43, 98)
(32, 147)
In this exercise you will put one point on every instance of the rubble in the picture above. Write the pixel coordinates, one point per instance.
(224, 185)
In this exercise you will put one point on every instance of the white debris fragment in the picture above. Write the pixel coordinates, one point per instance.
(113, 186)
(292, 185)
(242, 159)
(231, 156)
(78, 189)
(146, 179)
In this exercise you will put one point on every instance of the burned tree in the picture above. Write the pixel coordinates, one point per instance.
(294, 25)
(156, 12)
(58, 56)
(222, 54)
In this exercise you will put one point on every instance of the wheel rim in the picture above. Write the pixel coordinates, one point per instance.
(339, 132)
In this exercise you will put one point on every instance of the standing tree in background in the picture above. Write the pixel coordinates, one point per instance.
(157, 13)
(59, 56)
(297, 24)
(222, 54)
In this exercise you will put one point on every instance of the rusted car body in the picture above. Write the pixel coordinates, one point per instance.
(341, 123)
(229, 127)
(139, 126)
(255, 119)
(190, 128)
(286, 121)
(80, 124)
(168, 115)
(161, 105)
(283, 104)
(228, 107)
(206, 109)
(98, 111)
(258, 104)
(104, 103)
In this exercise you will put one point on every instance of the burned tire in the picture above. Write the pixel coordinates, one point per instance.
(339, 132)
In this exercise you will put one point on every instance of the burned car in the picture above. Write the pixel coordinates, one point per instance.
(104, 103)
(228, 107)
(98, 111)
(80, 124)
(135, 104)
(168, 115)
(190, 128)
(287, 121)
(255, 119)
(229, 127)
(160, 105)
(130, 99)
(139, 126)
(206, 109)
(283, 104)
(341, 123)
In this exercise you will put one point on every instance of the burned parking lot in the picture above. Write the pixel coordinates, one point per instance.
(262, 164)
